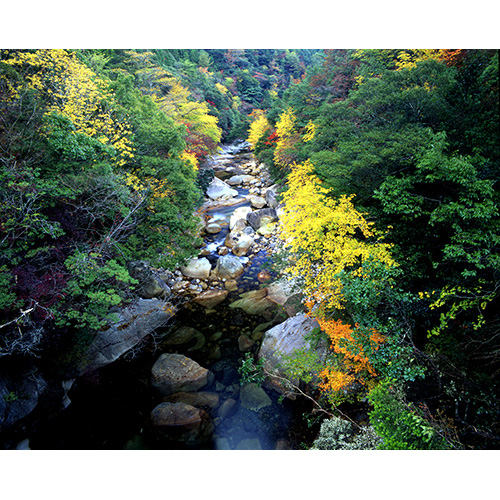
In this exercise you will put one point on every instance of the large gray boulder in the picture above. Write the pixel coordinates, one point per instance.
(284, 340)
(177, 373)
(261, 217)
(219, 190)
(133, 323)
(229, 267)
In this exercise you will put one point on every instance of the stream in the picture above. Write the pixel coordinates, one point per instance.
(111, 407)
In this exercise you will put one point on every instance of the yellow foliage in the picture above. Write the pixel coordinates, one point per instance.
(310, 132)
(221, 88)
(178, 104)
(410, 58)
(191, 158)
(74, 90)
(287, 138)
(258, 128)
(325, 236)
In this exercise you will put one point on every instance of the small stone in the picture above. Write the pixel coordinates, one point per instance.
(227, 408)
(263, 276)
(245, 343)
(231, 285)
(253, 397)
(213, 228)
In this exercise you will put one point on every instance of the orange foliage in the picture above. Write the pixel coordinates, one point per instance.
(355, 363)
(452, 57)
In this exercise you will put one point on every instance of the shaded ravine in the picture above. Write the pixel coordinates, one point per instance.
(111, 408)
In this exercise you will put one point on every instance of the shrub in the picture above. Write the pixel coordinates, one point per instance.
(338, 434)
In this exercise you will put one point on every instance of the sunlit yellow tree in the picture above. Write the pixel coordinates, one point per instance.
(259, 126)
(288, 136)
(73, 90)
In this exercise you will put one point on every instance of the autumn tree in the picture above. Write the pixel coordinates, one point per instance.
(259, 126)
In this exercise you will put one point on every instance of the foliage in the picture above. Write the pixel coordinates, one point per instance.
(89, 290)
(400, 425)
(403, 131)
(251, 371)
(325, 236)
(339, 434)
(258, 128)
(72, 90)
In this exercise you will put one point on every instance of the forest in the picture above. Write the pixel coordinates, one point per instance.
(387, 168)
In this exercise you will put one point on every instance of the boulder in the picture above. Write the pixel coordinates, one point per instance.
(197, 268)
(243, 245)
(177, 373)
(196, 399)
(211, 298)
(229, 267)
(239, 227)
(267, 229)
(239, 213)
(227, 408)
(282, 290)
(253, 302)
(183, 335)
(245, 343)
(282, 341)
(271, 198)
(219, 190)
(253, 397)
(257, 201)
(183, 423)
(229, 241)
(261, 217)
(222, 250)
(176, 414)
(150, 284)
(247, 179)
(19, 395)
(133, 323)
(213, 228)
(235, 180)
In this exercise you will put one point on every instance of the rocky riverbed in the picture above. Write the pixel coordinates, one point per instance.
(166, 375)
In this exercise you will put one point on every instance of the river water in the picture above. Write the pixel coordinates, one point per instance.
(111, 408)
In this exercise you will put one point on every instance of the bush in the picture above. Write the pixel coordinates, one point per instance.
(401, 425)
(339, 434)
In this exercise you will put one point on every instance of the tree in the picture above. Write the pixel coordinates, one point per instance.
(327, 239)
